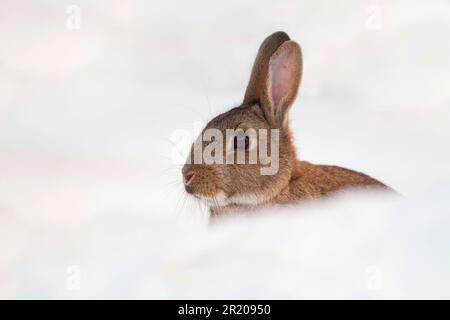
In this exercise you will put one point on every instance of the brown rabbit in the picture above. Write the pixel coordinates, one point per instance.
(271, 91)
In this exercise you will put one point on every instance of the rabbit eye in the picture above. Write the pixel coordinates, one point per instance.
(240, 142)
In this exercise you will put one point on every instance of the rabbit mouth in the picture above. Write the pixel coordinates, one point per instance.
(218, 200)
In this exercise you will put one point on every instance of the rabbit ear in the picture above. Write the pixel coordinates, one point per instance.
(282, 82)
(258, 77)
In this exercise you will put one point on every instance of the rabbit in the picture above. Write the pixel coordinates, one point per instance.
(271, 91)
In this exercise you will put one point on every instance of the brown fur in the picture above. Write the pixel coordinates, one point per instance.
(271, 91)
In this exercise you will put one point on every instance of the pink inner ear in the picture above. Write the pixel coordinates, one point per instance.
(282, 70)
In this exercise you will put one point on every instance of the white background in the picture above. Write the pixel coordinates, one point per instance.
(92, 205)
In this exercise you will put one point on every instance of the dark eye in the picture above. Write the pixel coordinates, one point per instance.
(241, 141)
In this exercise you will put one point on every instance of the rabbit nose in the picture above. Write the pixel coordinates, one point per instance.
(188, 177)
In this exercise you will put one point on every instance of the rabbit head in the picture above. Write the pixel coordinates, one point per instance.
(259, 123)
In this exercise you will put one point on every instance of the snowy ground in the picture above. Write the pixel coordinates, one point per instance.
(91, 204)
